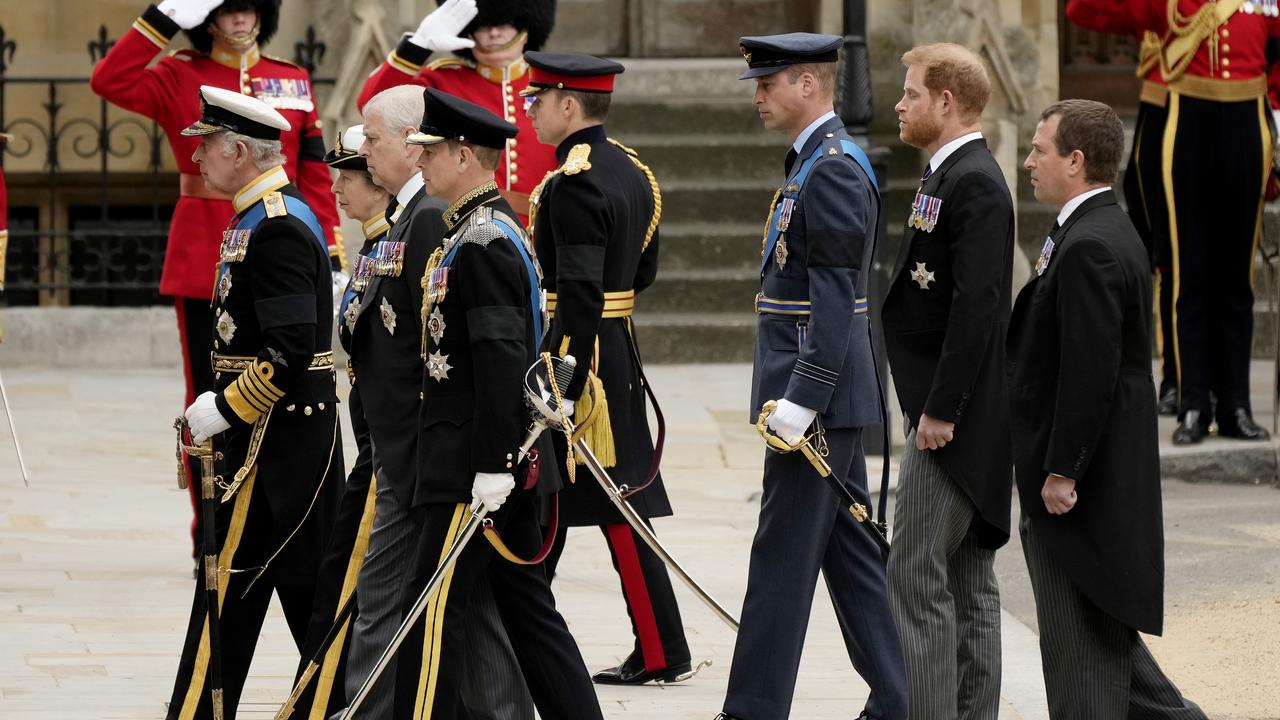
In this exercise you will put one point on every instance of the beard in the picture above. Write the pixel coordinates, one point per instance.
(921, 132)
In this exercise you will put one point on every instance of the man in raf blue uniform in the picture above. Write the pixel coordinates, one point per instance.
(813, 355)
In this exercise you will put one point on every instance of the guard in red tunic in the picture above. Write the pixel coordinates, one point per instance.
(1143, 176)
(226, 37)
(1216, 153)
(488, 39)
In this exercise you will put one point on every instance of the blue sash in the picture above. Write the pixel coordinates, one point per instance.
(296, 208)
(535, 289)
(796, 181)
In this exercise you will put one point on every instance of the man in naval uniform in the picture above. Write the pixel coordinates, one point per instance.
(478, 48)
(482, 321)
(595, 224)
(226, 38)
(273, 412)
(813, 355)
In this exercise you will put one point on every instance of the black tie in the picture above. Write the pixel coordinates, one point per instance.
(791, 160)
(1056, 227)
(391, 210)
(924, 176)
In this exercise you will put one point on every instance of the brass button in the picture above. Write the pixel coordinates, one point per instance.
(511, 154)
(321, 406)
(306, 410)
(1226, 32)
(1226, 62)
(1226, 47)
(291, 407)
(508, 465)
(514, 179)
(216, 345)
(420, 395)
(217, 376)
(1226, 74)
(513, 166)
(509, 456)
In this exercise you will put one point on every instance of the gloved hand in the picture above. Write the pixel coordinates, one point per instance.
(492, 489)
(204, 419)
(340, 280)
(439, 30)
(188, 13)
(790, 421)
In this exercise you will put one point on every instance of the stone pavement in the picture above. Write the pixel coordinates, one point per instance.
(95, 580)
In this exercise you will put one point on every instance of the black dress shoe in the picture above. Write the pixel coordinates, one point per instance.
(727, 716)
(1190, 430)
(633, 672)
(1168, 402)
(1242, 427)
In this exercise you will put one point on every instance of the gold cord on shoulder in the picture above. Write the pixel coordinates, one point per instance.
(653, 185)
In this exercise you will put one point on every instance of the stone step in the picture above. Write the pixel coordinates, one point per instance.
(731, 201)
(711, 158)
(696, 337)
(632, 116)
(702, 291)
(693, 246)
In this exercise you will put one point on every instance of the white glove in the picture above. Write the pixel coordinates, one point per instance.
(439, 30)
(492, 489)
(188, 13)
(204, 419)
(340, 280)
(790, 421)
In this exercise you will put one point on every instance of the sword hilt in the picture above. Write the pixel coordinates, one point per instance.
(777, 444)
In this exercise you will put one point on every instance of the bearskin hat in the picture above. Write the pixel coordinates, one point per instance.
(268, 22)
(537, 17)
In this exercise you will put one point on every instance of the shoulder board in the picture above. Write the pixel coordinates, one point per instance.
(282, 61)
(481, 229)
(447, 62)
(275, 204)
(185, 54)
(578, 160)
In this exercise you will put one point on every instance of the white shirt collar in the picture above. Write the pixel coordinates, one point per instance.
(945, 151)
(1076, 201)
(803, 137)
(408, 190)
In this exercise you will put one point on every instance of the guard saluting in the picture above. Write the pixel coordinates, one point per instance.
(482, 320)
(595, 221)
(813, 355)
(273, 412)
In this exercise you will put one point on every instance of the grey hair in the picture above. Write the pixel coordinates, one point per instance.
(400, 107)
(266, 154)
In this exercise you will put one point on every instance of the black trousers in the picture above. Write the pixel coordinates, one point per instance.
(430, 665)
(195, 335)
(805, 527)
(245, 528)
(646, 586)
(1216, 160)
(1144, 194)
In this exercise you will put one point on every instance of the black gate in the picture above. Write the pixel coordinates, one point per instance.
(89, 195)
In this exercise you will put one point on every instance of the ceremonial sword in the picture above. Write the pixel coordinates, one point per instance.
(13, 430)
(563, 373)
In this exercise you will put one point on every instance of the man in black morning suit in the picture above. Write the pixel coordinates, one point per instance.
(1082, 409)
(595, 223)
(273, 410)
(482, 322)
(813, 355)
(945, 318)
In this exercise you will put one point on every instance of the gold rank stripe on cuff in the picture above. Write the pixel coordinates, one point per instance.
(240, 363)
(770, 306)
(404, 66)
(616, 304)
(253, 393)
(151, 33)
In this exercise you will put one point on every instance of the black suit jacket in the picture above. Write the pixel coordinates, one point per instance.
(388, 365)
(946, 342)
(1082, 404)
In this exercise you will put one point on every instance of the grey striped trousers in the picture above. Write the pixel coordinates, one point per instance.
(943, 591)
(1095, 667)
(493, 688)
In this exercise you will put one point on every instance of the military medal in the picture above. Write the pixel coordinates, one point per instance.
(438, 366)
(387, 258)
(388, 316)
(922, 275)
(1268, 8)
(924, 212)
(1046, 252)
(282, 94)
(224, 286)
(235, 243)
(226, 327)
(361, 273)
(352, 313)
(435, 325)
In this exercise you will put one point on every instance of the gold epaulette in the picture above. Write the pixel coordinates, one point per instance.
(577, 161)
(184, 54)
(653, 185)
(275, 204)
(449, 61)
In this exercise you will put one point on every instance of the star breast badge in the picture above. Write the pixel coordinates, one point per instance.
(435, 325)
(226, 327)
(352, 314)
(922, 276)
(388, 316)
(438, 366)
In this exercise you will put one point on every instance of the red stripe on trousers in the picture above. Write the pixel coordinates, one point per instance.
(193, 477)
(637, 592)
